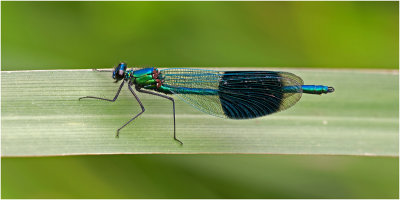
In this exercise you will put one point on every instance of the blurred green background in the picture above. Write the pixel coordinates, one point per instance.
(48, 35)
(200, 176)
(66, 35)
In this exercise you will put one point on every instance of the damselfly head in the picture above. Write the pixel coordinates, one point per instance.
(119, 72)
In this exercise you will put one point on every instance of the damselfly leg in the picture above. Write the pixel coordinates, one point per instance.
(141, 106)
(173, 107)
(111, 100)
(115, 98)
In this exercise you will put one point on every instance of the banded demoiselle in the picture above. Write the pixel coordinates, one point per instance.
(227, 94)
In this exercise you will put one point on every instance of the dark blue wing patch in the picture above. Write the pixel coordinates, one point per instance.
(251, 94)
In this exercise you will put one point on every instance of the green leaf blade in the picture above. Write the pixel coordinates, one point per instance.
(41, 115)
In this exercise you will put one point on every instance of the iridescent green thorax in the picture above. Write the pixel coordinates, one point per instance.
(143, 72)
(146, 78)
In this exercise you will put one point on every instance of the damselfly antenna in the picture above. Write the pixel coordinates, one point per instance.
(103, 70)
